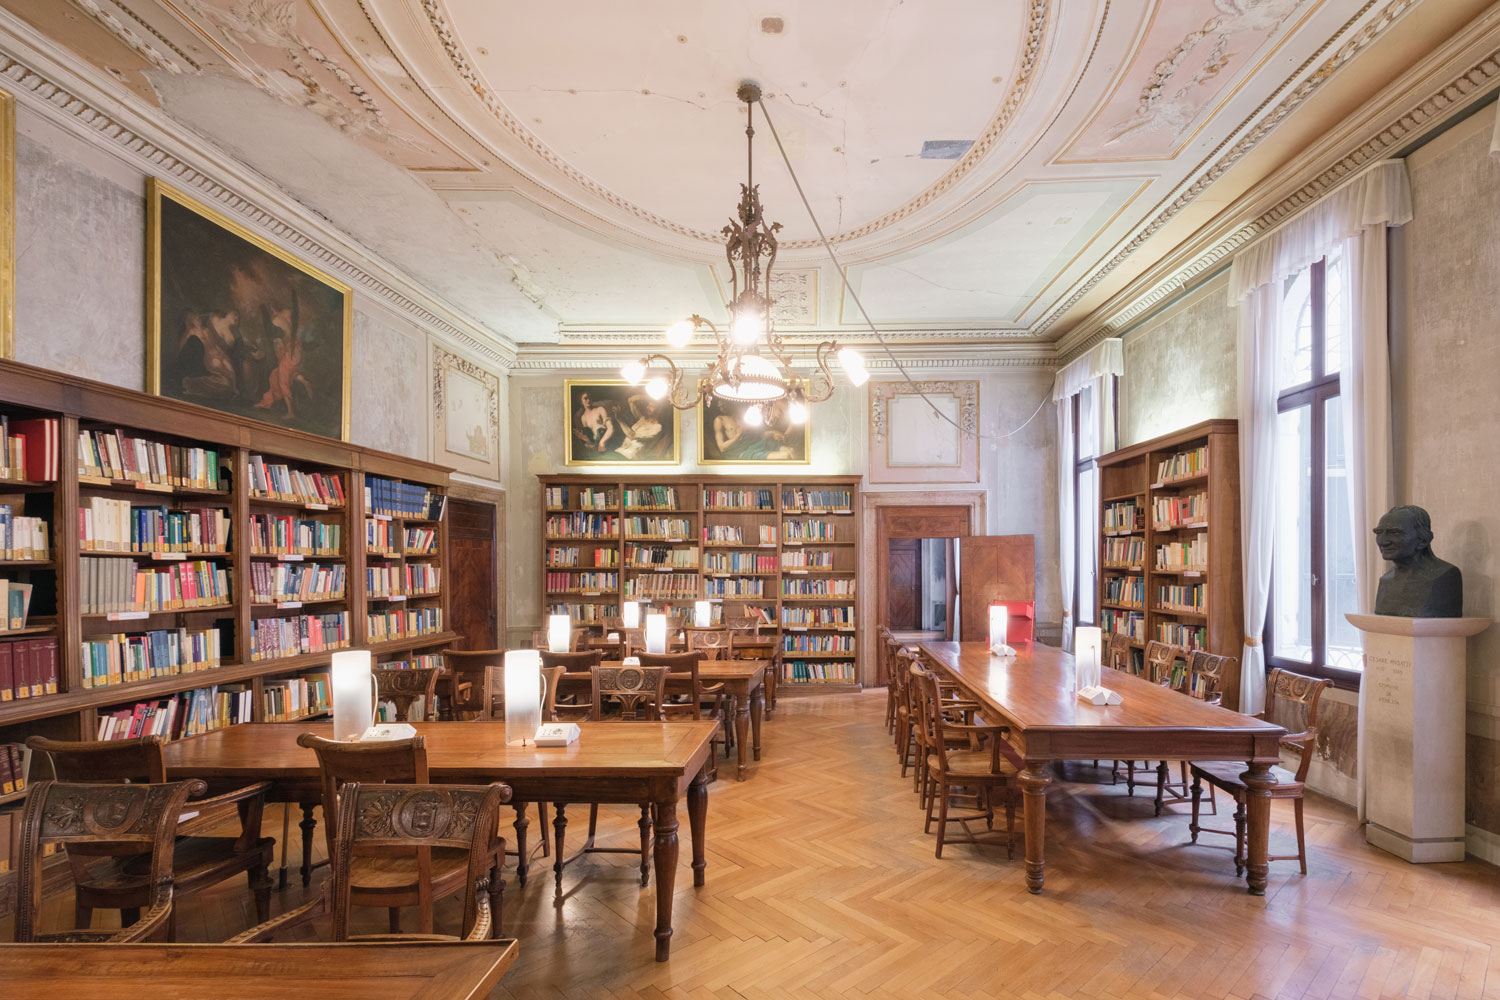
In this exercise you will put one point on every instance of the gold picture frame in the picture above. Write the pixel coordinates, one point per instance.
(253, 331)
(612, 419)
(777, 437)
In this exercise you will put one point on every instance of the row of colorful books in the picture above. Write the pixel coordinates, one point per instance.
(31, 449)
(110, 586)
(122, 456)
(664, 497)
(1124, 590)
(287, 699)
(583, 558)
(106, 525)
(394, 498)
(818, 671)
(816, 500)
(649, 556)
(1183, 465)
(738, 562)
(817, 588)
(584, 614)
(275, 583)
(28, 668)
(802, 643)
(1191, 597)
(586, 582)
(807, 559)
(810, 531)
(22, 537)
(1124, 551)
(189, 713)
(398, 623)
(583, 497)
(582, 526)
(738, 499)
(121, 658)
(1190, 556)
(734, 587)
(287, 534)
(278, 638)
(1125, 516)
(662, 586)
(833, 617)
(1131, 624)
(278, 481)
(663, 528)
(1173, 512)
(412, 579)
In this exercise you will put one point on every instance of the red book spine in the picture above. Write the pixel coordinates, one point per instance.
(7, 674)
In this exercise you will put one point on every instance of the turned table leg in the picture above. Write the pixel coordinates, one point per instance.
(757, 709)
(666, 873)
(1034, 782)
(308, 825)
(520, 825)
(742, 733)
(1258, 784)
(697, 803)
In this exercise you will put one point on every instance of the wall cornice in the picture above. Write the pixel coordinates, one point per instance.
(1452, 79)
(49, 81)
(927, 358)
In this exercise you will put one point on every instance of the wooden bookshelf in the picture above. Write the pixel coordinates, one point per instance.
(1178, 490)
(670, 541)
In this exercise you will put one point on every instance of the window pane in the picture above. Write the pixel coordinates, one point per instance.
(1295, 362)
(1291, 573)
(1335, 315)
(1340, 590)
(1088, 425)
(1088, 545)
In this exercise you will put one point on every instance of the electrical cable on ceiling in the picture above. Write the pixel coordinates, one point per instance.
(849, 290)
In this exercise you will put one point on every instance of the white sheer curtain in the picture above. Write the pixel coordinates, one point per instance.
(1353, 219)
(1097, 370)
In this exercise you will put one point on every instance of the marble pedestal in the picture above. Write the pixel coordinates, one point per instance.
(1412, 761)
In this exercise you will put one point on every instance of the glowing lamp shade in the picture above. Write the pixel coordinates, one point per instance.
(796, 412)
(1088, 642)
(633, 372)
(678, 334)
(746, 326)
(657, 388)
(999, 621)
(630, 614)
(752, 417)
(853, 364)
(559, 633)
(703, 613)
(353, 685)
(523, 696)
(656, 634)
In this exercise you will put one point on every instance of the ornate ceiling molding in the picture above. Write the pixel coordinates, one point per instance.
(53, 83)
(652, 336)
(1472, 79)
(1211, 169)
(927, 358)
(1035, 37)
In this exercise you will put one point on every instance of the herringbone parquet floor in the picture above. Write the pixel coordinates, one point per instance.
(822, 884)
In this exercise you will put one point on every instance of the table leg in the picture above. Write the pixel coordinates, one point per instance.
(1258, 784)
(559, 824)
(742, 732)
(697, 801)
(520, 825)
(1034, 782)
(666, 873)
(757, 709)
(286, 826)
(308, 825)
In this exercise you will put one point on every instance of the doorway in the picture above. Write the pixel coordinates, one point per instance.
(921, 587)
(907, 538)
(474, 585)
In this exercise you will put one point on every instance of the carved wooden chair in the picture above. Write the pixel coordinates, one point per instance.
(1159, 667)
(1205, 675)
(687, 695)
(709, 643)
(574, 709)
(128, 823)
(906, 719)
(886, 646)
(1291, 701)
(124, 883)
(401, 877)
(405, 687)
(467, 686)
(961, 709)
(1118, 655)
(641, 695)
(379, 821)
(964, 754)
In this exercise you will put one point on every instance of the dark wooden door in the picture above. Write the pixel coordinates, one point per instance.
(473, 572)
(904, 586)
(993, 568)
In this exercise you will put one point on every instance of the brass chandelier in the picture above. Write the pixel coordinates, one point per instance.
(753, 365)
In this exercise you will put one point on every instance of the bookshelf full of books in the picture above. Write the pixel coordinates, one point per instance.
(781, 552)
(1169, 555)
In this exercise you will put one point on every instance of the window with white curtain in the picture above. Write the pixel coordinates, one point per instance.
(1312, 574)
(1086, 507)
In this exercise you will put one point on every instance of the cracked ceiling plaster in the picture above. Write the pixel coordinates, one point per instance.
(552, 168)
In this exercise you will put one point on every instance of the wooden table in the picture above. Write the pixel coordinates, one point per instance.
(745, 679)
(1033, 694)
(610, 763)
(332, 971)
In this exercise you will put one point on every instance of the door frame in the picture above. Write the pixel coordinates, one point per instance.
(464, 490)
(871, 602)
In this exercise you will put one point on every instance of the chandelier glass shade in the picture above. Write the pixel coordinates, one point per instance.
(752, 363)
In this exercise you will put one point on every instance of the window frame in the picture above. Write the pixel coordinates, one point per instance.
(1315, 394)
(1080, 466)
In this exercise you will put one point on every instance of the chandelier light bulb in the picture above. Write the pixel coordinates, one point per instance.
(746, 327)
(853, 364)
(678, 334)
(633, 372)
(753, 417)
(656, 388)
(796, 411)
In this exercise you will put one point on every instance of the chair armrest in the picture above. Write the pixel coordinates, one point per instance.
(481, 928)
(250, 800)
(153, 922)
(1302, 739)
(230, 798)
(307, 912)
(711, 689)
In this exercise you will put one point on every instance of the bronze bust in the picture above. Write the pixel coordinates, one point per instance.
(1419, 585)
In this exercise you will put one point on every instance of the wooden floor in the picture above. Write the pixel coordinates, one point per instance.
(821, 884)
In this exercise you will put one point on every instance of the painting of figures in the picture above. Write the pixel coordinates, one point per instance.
(240, 325)
(614, 423)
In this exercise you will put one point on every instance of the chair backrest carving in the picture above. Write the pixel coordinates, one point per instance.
(106, 819)
(1120, 652)
(377, 818)
(709, 643)
(369, 763)
(639, 690)
(137, 760)
(1161, 663)
(404, 687)
(473, 678)
(1292, 703)
(1206, 675)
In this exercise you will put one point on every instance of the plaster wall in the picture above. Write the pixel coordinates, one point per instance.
(1445, 368)
(1018, 473)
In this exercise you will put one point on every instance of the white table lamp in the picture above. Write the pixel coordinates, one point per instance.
(630, 614)
(703, 613)
(523, 696)
(1088, 642)
(559, 633)
(656, 634)
(999, 624)
(353, 682)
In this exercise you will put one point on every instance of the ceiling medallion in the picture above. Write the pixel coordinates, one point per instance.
(753, 364)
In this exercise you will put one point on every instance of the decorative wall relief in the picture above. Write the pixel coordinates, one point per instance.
(917, 440)
(465, 415)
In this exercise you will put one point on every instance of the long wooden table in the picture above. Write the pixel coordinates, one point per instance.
(332, 971)
(1033, 694)
(611, 763)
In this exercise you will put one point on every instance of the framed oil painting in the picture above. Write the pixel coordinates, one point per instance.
(726, 438)
(240, 325)
(615, 423)
(465, 414)
(924, 440)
